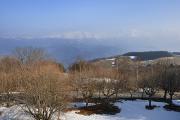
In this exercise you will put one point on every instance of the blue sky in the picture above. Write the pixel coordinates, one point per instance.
(141, 20)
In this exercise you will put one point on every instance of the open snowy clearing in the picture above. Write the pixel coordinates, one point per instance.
(130, 110)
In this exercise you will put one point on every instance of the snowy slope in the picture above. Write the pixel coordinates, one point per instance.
(131, 110)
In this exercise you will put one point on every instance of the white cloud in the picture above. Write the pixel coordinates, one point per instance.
(131, 34)
(72, 35)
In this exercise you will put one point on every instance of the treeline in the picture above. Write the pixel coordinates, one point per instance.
(98, 82)
(42, 87)
(149, 55)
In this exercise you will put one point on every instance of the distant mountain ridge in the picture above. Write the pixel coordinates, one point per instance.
(144, 56)
(176, 53)
(149, 55)
(63, 50)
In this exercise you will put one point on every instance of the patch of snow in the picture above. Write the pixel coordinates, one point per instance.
(13, 113)
(130, 110)
(176, 102)
(111, 59)
(132, 57)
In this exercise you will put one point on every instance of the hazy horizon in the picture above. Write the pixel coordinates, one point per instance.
(90, 29)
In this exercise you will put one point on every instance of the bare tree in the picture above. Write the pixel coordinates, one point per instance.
(142, 82)
(29, 54)
(83, 81)
(87, 90)
(9, 77)
(151, 83)
(45, 93)
(126, 68)
(173, 81)
(43, 83)
(164, 66)
(169, 74)
(111, 85)
(121, 83)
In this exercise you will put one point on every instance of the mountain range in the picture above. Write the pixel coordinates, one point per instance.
(63, 50)
(69, 50)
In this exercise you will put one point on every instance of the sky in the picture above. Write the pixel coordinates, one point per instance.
(153, 23)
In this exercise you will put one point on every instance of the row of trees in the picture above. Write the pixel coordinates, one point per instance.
(96, 82)
(90, 80)
(162, 76)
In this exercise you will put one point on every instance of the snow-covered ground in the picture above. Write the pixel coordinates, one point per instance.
(131, 110)
(13, 113)
(176, 102)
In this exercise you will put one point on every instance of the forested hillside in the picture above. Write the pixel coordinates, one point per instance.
(149, 55)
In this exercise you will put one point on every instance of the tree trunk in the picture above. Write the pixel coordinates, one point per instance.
(149, 101)
(86, 103)
(8, 100)
(116, 96)
(99, 94)
(77, 93)
(131, 95)
(170, 99)
(165, 94)
(142, 96)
